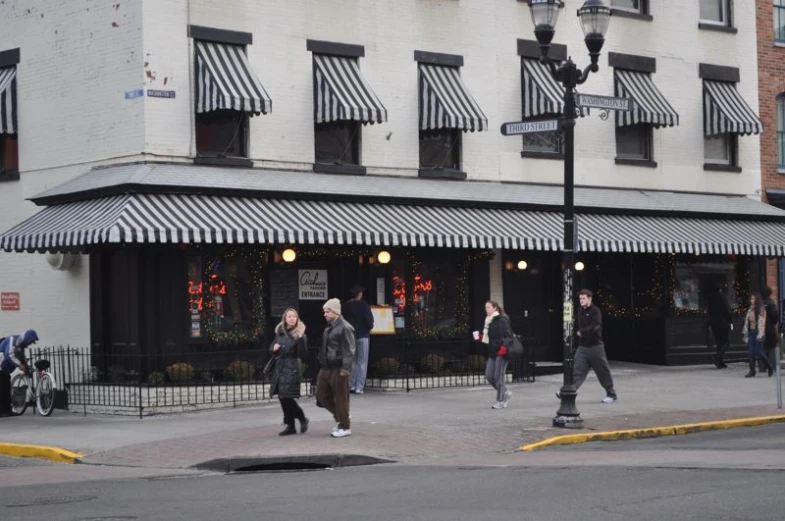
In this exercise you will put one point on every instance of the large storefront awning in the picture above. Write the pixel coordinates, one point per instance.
(225, 80)
(725, 111)
(342, 93)
(445, 101)
(183, 218)
(8, 100)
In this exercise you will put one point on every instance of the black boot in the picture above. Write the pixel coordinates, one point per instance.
(752, 369)
(304, 425)
(769, 367)
(288, 430)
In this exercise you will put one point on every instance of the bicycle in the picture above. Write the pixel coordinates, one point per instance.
(24, 390)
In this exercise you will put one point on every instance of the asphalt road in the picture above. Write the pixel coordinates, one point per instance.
(607, 490)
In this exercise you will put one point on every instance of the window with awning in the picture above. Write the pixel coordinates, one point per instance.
(9, 149)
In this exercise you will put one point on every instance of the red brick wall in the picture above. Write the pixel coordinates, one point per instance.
(771, 83)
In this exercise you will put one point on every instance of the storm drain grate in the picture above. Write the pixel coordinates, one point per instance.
(283, 466)
(55, 500)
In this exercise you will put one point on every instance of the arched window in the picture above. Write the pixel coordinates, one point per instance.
(781, 131)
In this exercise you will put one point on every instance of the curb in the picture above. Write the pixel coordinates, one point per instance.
(653, 432)
(41, 452)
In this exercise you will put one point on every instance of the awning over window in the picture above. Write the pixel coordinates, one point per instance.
(725, 111)
(648, 103)
(445, 101)
(342, 93)
(226, 80)
(8, 100)
(542, 95)
(181, 218)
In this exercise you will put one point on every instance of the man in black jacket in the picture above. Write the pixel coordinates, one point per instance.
(591, 348)
(720, 322)
(359, 315)
(772, 335)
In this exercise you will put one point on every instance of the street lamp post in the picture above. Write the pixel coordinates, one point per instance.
(594, 17)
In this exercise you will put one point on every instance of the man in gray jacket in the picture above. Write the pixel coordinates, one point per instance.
(335, 359)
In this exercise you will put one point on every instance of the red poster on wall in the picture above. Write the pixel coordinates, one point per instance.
(9, 301)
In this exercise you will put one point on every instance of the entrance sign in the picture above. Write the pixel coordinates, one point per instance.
(9, 301)
(602, 102)
(528, 127)
(313, 284)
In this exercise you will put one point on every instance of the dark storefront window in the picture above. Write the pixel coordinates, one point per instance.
(695, 281)
(434, 297)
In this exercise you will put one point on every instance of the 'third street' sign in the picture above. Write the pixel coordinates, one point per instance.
(602, 102)
(528, 127)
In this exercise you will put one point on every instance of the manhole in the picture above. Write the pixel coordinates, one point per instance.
(55, 500)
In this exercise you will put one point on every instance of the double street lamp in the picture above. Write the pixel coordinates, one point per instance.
(595, 18)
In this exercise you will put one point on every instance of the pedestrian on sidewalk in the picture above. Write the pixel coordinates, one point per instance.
(358, 313)
(497, 335)
(591, 348)
(754, 333)
(12, 357)
(335, 358)
(290, 348)
(772, 336)
(720, 322)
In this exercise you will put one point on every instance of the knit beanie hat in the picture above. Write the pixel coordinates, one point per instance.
(333, 305)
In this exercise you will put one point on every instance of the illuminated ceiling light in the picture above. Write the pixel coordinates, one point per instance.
(289, 255)
(383, 257)
(579, 266)
(522, 265)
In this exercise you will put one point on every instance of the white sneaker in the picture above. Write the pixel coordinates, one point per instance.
(609, 399)
(499, 405)
(507, 396)
(341, 433)
(336, 428)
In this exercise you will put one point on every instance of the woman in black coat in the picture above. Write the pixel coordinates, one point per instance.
(289, 347)
(497, 335)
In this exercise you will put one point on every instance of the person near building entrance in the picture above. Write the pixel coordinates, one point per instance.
(754, 333)
(497, 335)
(358, 313)
(289, 347)
(772, 336)
(335, 360)
(12, 357)
(591, 348)
(720, 322)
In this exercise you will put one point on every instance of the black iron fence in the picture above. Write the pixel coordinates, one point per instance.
(126, 383)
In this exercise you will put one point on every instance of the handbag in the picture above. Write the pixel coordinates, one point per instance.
(515, 351)
(268, 367)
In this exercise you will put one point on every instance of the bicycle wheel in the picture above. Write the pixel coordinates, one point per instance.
(45, 395)
(19, 386)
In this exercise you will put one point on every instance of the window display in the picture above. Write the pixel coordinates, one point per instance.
(694, 282)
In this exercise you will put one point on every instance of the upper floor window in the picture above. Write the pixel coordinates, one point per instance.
(632, 6)
(716, 12)
(779, 20)
(9, 149)
(634, 142)
(440, 149)
(781, 131)
(721, 149)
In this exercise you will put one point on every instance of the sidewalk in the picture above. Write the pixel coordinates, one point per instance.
(418, 427)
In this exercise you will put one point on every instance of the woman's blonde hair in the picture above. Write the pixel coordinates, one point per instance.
(299, 327)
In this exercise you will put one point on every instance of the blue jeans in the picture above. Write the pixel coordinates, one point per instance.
(754, 347)
(360, 366)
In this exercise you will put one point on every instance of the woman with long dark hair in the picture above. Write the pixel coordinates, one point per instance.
(497, 335)
(754, 332)
(289, 347)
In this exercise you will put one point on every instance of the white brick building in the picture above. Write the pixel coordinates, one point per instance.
(82, 63)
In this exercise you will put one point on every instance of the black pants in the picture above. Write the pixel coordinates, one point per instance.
(722, 340)
(291, 411)
(5, 393)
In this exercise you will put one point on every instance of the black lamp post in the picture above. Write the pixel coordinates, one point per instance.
(594, 17)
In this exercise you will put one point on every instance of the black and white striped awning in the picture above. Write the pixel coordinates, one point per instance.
(542, 95)
(170, 218)
(648, 105)
(725, 111)
(8, 100)
(445, 101)
(226, 80)
(341, 92)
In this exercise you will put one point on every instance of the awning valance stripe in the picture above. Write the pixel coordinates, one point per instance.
(205, 219)
(648, 103)
(725, 111)
(226, 80)
(542, 95)
(341, 92)
(445, 101)
(8, 100)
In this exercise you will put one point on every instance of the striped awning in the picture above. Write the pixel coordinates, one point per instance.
(648, 105)
(341, 92)
(181, 218)
(445, 101)
(725, 111)
(542, 95)
(8, 100)
(226, 80)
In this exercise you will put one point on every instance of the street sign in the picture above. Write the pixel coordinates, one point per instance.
(528, 127)
(602, 102)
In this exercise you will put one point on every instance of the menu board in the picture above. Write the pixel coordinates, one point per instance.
(383, 323)
(284, 291)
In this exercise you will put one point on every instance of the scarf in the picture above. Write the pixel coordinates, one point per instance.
(485, 338)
